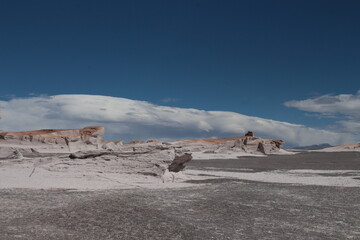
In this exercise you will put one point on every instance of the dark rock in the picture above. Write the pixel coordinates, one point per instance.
(278, 143)
(178, 164)
(249, 134)
(261, 148)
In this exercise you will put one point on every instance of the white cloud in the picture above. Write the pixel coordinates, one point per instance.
(130, 119)
(350, 126)
(343, 106)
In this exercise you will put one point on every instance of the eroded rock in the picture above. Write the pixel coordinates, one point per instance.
(56, 140)
(246, 144)
(178, 164)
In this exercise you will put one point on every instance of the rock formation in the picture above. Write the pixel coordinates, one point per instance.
(91, 138)
(86, 150)
(249, 134)
(246, 144)
(86, 146)
(178, 164)
(70, 140)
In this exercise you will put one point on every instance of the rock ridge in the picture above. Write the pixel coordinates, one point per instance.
(66, 139)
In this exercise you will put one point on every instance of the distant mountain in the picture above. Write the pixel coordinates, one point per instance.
(313, 147)
(343, 148)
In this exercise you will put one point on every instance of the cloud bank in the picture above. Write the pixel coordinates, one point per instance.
(130, 119)
(344, 106)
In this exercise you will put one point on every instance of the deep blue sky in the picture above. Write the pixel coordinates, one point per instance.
(243, 56)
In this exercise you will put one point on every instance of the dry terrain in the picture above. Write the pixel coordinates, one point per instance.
(223, 206)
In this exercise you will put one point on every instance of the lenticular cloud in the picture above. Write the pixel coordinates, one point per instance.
(344, 106)
(130, 119)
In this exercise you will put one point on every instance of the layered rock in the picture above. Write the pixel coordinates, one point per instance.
(90, 138)
(151, 159)
(58, 140)
(90, 153)
(246, 144)
(151, 162)
(134, 142)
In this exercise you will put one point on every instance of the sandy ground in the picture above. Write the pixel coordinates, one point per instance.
(60, 172)
(303, 196)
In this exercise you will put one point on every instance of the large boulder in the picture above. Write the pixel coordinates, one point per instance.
(178, 164)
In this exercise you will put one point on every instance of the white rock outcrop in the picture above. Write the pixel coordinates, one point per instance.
(55, 140)
(245, 144)
(83, 151)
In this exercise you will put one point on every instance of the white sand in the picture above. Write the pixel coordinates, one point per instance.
(284, 152)
(109, 172)
(337, 150)
(235, 155)
(230, 155)
(26, 173)
(304, 177)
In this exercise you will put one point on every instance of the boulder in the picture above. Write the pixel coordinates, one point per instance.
(178, 164)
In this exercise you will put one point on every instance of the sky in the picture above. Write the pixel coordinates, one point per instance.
(284, 62)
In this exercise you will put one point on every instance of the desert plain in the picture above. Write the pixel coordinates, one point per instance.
(238, 188)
